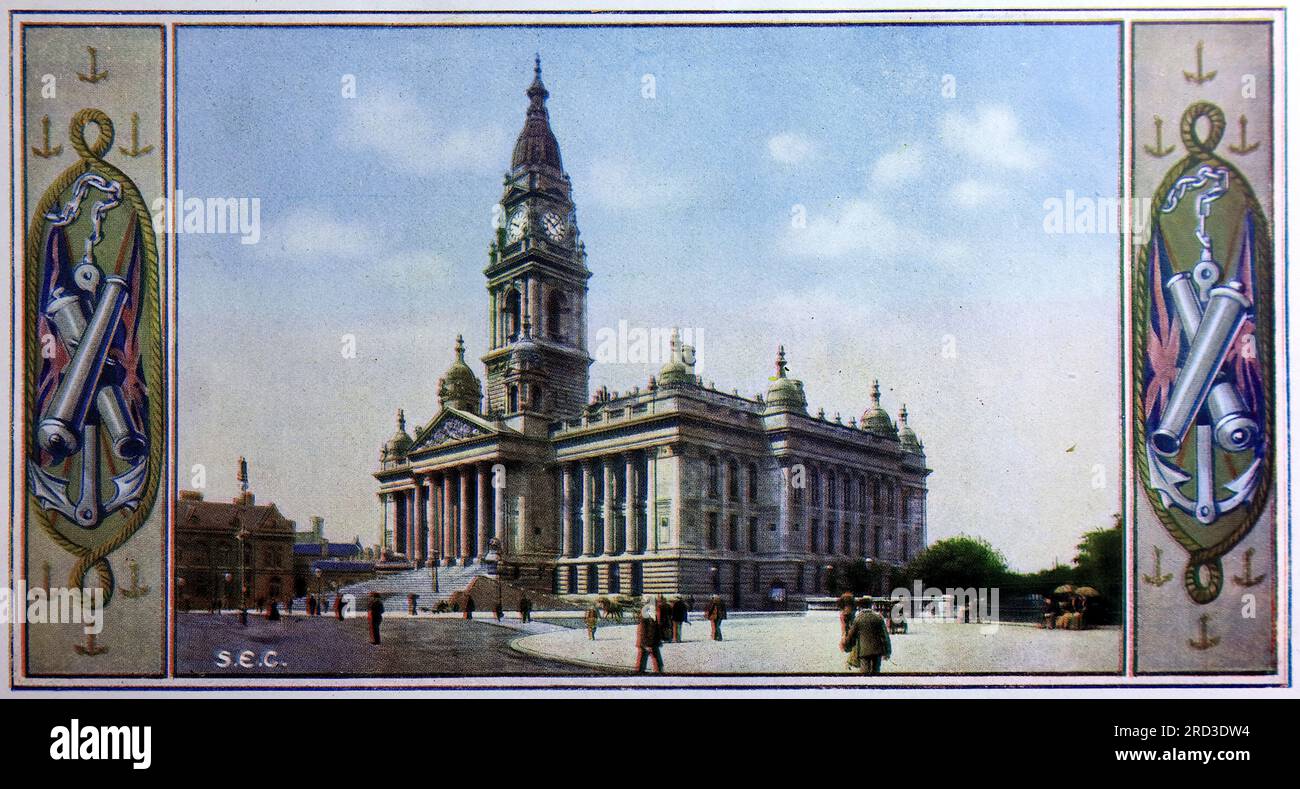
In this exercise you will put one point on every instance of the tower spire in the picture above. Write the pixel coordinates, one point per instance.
(875, 393)
(460, 348)
(780, 361)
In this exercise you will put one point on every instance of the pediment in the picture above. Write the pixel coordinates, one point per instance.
(449, 426)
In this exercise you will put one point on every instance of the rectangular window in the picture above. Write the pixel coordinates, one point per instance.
(733, 481)
(733, 536)
(753, 535)
(713, 478)
(712, 536)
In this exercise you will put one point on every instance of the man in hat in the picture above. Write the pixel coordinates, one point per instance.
(867, 641)
(376, 616)
(680, 615)
(715, 613)
(647, 639)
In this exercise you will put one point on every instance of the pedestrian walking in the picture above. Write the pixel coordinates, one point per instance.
(867, 640)
(848, 610)
(376, 616)
(715, 613)
(499, 611)
(525, 609)
(469, 607)
(681, 615)
(338, 606)
(664, 617)
(592, 618)
(273, 612)
(647, 640)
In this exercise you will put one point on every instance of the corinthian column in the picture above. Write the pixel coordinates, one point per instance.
(629, 503)
(466, 539)
(588, 527)
(566, 510)
(448, 538)
(480, 511)
(611, 490)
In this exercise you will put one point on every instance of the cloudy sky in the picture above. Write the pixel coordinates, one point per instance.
(872, 198)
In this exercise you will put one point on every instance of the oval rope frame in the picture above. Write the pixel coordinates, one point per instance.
(1202, 152)
(150, 327)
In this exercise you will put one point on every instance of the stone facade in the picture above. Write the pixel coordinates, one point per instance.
(677, 489)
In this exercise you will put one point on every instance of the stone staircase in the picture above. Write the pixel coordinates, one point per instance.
(395, 587)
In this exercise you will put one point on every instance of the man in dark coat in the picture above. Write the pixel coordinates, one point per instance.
(680, 614)
(648, 640)
(469, 607)
(664, 617)
(715, 613)
(867, 641)
(376, 615)
(525, 609)
(338, 606)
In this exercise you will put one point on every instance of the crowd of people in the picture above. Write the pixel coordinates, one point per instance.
(1065, 612)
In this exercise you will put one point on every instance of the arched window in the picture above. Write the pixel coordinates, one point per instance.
(557, 307)
(536, 392)
(512, 311)
(713, 478)
(733, 481)
(513, 399)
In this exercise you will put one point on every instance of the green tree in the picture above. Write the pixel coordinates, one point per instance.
(957, 562)
(1100, 562)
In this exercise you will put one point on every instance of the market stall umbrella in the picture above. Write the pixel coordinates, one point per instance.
(1087, 591)
(1064, 589)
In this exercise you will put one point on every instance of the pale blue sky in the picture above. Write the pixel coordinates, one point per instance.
(924, 226)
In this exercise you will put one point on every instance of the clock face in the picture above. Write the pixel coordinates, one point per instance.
(518, 224)
(556, 228)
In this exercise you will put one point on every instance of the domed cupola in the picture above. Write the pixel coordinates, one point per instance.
(536, 144)
(785, 393)
(680, 369)
(460, 388)
(875, 420)
(906, 437)
(400, 443)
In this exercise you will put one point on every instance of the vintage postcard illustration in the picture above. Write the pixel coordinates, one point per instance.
(825, 348)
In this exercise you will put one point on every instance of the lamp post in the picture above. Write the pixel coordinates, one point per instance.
(225, 581)
(437, 560)
(830, 577)
(319, 599)
(716, 580)
(241, 537)
(180, 593)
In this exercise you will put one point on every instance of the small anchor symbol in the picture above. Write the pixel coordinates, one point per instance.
(1246, 579)
(90, 648)
(135, 149)
(1244, 147)
(95, 74)
(1201, 76)
(135, 590)
(1157, 579)
(1205, 641)
(45, 151)
(1159, 150)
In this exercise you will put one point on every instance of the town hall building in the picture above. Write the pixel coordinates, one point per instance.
(674, 488)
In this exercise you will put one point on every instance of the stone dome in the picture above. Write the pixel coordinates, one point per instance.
(460, 388)
(398, 445)
(785, 393)
(875, 420)
(906, 437)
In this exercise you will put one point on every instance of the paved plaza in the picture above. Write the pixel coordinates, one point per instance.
(447, 645)
(809, 644)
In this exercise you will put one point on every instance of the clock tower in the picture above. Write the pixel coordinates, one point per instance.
(537, 281)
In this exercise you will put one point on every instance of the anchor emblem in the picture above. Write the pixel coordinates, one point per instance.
(45, 151)
(135, 149)
(1206, 641)
(1160, 150)
(1202, 356)
(1158, 579)
(1246, 579)
(1201, 76)
(95, 74)
(136, 589)
(1244, 147)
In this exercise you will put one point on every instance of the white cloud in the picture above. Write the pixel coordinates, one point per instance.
(789, 148)
(857, 225)
(992, 137)
(621, 184)
(411, 139)
(970, 193)
(897, 166)
(308, 233)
